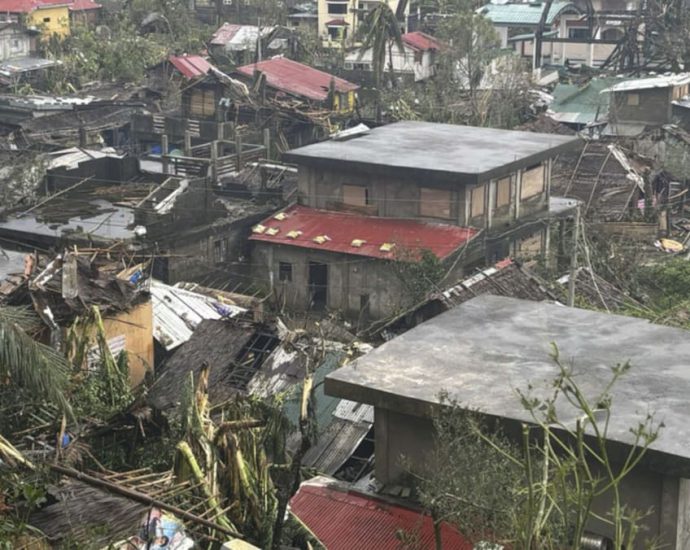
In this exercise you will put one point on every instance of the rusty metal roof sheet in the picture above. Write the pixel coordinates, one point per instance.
(360, 235)
(344, 520)
(297, 79)
(421, 41)
(191, 66)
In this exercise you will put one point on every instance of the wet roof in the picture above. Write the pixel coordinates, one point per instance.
(297, 79)
(523, 13)
(506, 344)
(425, 148)
(359, 235)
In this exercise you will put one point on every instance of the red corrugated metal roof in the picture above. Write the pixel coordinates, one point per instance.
(84, 5)
(337, 23)
(347, 521)
(27, 6)
(421, 41)
(295, 78)
(191, 66)
(341, 229)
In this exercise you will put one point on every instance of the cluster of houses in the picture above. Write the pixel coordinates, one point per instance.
(238, 187)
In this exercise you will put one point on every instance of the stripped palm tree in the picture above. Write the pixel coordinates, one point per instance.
(29, 365)
(381, 35)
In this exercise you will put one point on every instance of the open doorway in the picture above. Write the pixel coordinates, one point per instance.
(318, 285)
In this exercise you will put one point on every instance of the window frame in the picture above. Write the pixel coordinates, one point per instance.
(473, 192)
(503, 181)
(434, 211)
(632, 100)
(355, 187)
(523, 193)
(285, 272)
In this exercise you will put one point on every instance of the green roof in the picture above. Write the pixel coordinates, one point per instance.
(582, 104)
(523, 13)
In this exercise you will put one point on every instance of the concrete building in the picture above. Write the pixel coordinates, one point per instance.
(505, 344)
(417, 60)
(338, 20)
(374, 198)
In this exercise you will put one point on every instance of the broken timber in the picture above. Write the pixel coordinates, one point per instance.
(143, 499)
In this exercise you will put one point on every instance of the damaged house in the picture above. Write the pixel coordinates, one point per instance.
(388, 194)
(105, 200)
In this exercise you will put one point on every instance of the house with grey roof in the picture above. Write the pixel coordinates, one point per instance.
(482, 351)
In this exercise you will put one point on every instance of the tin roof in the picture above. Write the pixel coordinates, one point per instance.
(84, 5)
(337, 23)
(297, 79)
(177, 312)
(344, 520)
(339, 231)
(523, 13)
(27, 6)
(191, 66)
(585, 104)
(238, 37)
(665, 81)
(421, 41)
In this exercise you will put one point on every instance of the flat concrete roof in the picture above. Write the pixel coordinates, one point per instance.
(464, 153)
(485, 349)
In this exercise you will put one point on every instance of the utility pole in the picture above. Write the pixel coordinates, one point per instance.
(573, 258)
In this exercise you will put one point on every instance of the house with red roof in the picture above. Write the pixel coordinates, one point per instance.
(417, 60)
(51, 17)
(369, 204)
(283, 77)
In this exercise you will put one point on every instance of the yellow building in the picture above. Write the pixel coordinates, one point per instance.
(338, 20)
(49, 16)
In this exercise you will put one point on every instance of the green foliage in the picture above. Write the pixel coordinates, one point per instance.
(419, 272)
(668, 283)
(537, 491)
(28, 364)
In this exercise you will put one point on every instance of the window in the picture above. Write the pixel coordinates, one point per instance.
(581, 33)
(337, 9)
(46, 19)
(285, 272)
(532, 181)
(434, 203)
(355, 195)
(202, 103)
(219, 250)
(477, 201)
(633, 100)
(503, 192)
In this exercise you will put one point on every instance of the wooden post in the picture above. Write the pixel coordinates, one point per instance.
(164, 152)
(573, 259)
(267, 142)
(214, 163)
(221, 131)
(238, 147)
(83, 139)
(187, 143)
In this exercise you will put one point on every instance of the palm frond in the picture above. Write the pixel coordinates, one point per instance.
(31, 365)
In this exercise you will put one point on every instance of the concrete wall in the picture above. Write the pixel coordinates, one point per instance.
(396, 196)
(663, 497)
(349, 278)
(14, 43)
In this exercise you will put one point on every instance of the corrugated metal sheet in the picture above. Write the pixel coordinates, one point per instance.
(649, 83)
(191, 66)
(343, 521)
(335, 445)
(354, 411)
(238, 37)
(177, 313)
(523, 13)
(297, 79)
(341, 229)
(421, 41)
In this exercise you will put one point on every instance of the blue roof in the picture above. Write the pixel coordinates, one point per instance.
(524, 13)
